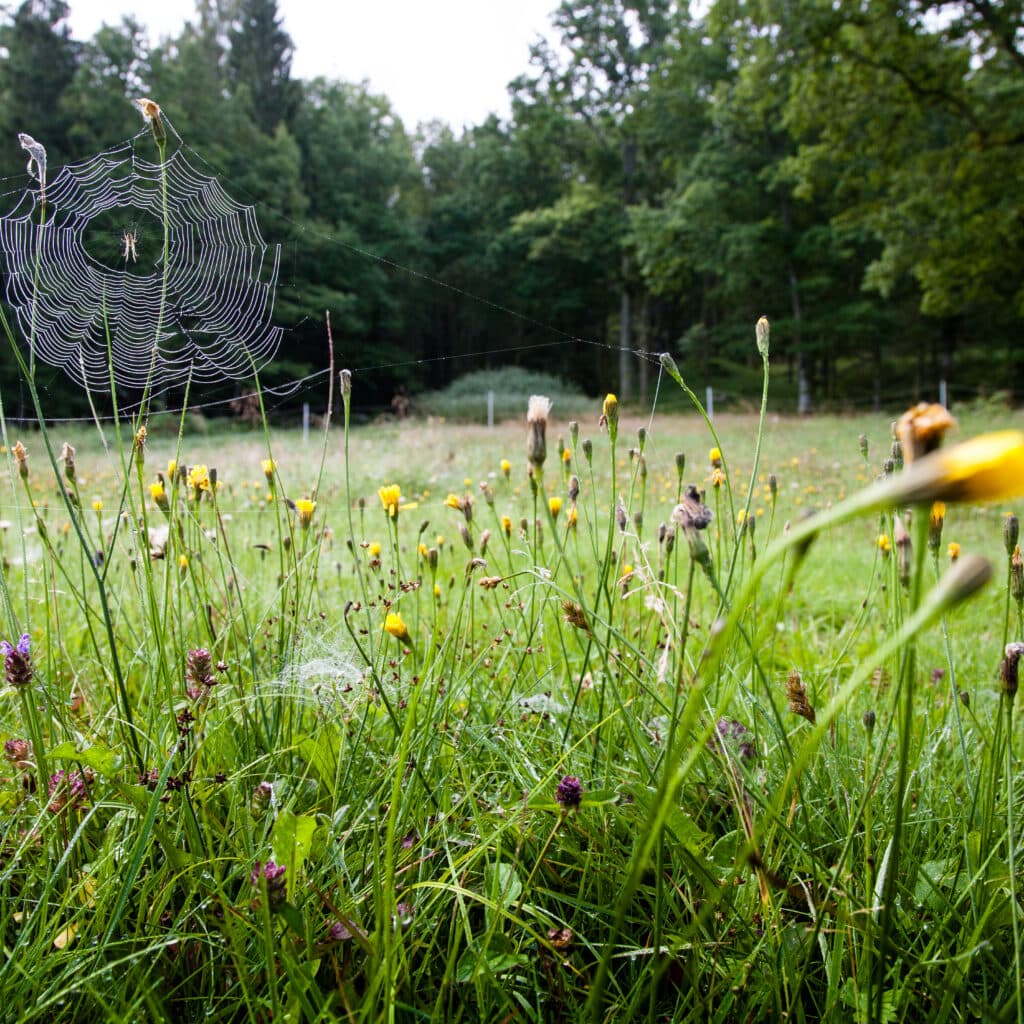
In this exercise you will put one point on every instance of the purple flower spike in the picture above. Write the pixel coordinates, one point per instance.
(569, 792)
(17, 661)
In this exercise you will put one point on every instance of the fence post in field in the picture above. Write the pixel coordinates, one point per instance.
(305, 421)
(943, 396)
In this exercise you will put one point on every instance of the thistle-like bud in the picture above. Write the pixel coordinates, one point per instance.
(863, 442)
(610, 415)
(537, 412)
(773, 487)
(888, 467)
(896, 454)
(869, 721)
(902, 540)
(1008, 669)
(21, 458)
(1017, 577)
(620, 516)
(588, 450)
(1011, 531)
(574, 432)
(345, 383)
(920, 430)
(466, 537)
(641, 435)
(936, 519)
(680, 464)
(67, 455)
(485, 538)
(574, 488)
(151, 112)
(762, 333)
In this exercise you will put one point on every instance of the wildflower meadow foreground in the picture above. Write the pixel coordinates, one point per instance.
(615, 720)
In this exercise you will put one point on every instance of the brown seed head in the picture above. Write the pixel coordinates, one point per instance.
(920, 430)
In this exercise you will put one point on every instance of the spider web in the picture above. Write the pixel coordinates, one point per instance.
(91, 319)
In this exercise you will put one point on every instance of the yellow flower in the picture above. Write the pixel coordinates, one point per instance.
(394, 625)
(715, 457)
(171, 468)
(304, 509)
(269, 466)
(717, 478)
(571, 518)
(97, 505)
(506, 525)
(884, 544)
(506, 467)
(567, 455)
(199, 478)
(610, 406)
(986, 468)
(374, 549)
(183, 563)
(423, 550)
(953, 550)
(938, 516)
(390, 496)
(453, 501)
(159, 495)
(555, 505)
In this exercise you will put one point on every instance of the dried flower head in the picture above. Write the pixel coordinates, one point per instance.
(1017, 577)
(920, 430)
(574, 615)
(1008, 669)
(21, 459)
(796, 694)
(537, 411)
(1011, 532)
(691, 513)
(67, 456)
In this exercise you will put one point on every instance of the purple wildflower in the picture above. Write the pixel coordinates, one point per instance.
(68, 789)
(273, 875)
(734, 737)
(569, 792)
(17, 661)
(337, 932)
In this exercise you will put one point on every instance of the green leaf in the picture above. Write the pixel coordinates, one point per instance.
(97, 757)
(291, 840)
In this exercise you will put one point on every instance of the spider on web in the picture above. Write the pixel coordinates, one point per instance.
(129, 238)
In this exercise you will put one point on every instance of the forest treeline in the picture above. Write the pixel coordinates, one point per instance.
(852, 170)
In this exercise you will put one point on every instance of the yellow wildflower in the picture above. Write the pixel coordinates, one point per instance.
(884, 544)
(506, 467)
(390, 496)
(555, 505)
(571, 518)
(97, 505)
(269, 467)
(715, 458)
(953, 550)
(199, 478)
(717, 478)
(159, 495)
(183, 563)
(506, 525)
(172, 467)
(304, 509)
(567, 455)
(394, 625)
(374, 549)
(453, 501)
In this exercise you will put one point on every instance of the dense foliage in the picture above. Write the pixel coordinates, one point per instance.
(851, 169)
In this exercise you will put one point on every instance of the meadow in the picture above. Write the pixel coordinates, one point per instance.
(406, 722)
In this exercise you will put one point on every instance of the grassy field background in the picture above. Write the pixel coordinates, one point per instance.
(533, 795)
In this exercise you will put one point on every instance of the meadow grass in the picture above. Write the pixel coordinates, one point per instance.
(282, 755)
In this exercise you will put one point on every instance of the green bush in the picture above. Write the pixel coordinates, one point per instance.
(465, 399)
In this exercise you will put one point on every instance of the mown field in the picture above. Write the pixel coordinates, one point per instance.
(282, 745)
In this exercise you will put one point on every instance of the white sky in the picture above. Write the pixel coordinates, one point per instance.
(448, 59)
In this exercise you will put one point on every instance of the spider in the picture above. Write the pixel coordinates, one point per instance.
(129, 240)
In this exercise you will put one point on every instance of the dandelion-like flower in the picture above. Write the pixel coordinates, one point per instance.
(506, 468)
(159, 495)
(394, 626)
(18, 661)
(610, 415)
(269, 467)
(304, 509)
(21, 459)
(555, 506)
(390, 496)
(884, 544)
(936, 520)
(715, 458)
(953, 550)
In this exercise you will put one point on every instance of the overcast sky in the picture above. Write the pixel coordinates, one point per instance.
(433, 58)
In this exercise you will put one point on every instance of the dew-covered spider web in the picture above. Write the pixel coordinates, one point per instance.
(84, 270)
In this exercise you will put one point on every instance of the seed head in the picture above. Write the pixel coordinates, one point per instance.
(1008, 669)
(796, 693)
(1011, 531)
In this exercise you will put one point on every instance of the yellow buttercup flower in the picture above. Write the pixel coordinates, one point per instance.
(390, 496)
(183, 563)
(394, 625)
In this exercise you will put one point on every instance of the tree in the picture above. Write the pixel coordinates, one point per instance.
(260, 59)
